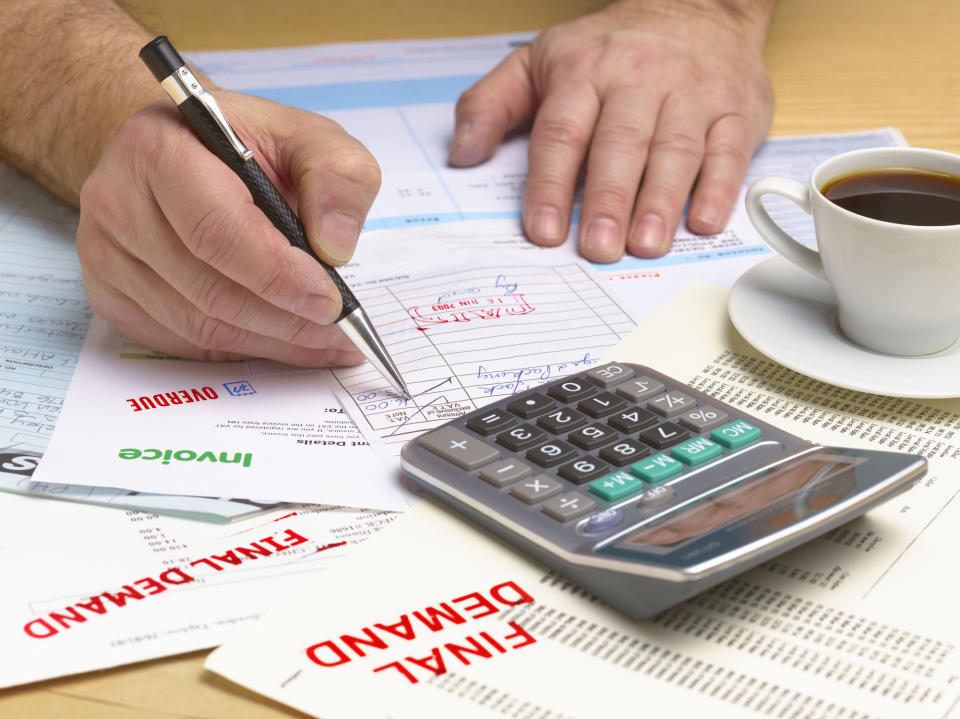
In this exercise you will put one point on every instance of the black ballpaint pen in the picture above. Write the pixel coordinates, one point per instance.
(204, 116)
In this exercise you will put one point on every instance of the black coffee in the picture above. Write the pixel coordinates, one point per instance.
(902, 195)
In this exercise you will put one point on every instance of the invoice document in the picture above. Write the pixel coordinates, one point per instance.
(44, 317)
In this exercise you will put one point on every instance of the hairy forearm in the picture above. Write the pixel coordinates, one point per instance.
(748, 19)
(70, 76)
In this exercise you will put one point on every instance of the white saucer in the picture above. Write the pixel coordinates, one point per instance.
(791, 317)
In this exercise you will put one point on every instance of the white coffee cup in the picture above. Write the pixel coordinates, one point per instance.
(897, 286)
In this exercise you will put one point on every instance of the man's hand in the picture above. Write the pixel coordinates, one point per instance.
(176, 255)
(651, 97)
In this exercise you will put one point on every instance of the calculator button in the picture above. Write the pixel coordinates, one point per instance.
(602, 521)
(631, 420)
(568, 506)
(640, 388)
(670, 404)
(696, 451)
(504, 472)
(521, 437)
(551, 453)
(657, 468)
(624, 452)
(530, 405)
(459, 447)
(664, 435)
(702, 418)
(736, 434)
(491, 422)
(562, 420)
(570, 390)
(602, 404)
(536, 488)
(616, 486)
(609, 375)
(583, 469)
(655, 497)
(592, 437)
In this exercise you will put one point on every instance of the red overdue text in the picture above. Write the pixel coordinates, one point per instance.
(166, 399)
(434, 619)
(79, 612)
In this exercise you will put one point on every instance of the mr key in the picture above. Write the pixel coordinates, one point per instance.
(641, 488)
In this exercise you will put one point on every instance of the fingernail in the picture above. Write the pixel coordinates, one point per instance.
(710, 214)
(547, 224)
(461, 151)
(319, 308)
(603, 240)
(338, 234)
(650, 234)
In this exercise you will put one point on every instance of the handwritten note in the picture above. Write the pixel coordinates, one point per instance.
(463, 337)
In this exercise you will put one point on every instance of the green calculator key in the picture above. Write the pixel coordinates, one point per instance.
(616, 486)
(657, 468)
(736, 434)
(696, 451)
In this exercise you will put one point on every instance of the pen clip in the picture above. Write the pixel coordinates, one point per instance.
(182, 83)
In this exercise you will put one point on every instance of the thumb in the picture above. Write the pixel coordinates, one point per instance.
(333, 176)
(497, 103)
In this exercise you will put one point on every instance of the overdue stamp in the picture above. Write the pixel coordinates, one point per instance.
(465, 310)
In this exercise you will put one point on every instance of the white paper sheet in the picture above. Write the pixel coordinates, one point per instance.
(254, 428)
(891, 559)
(398, 98)
(492, 325)
(174, 585)
(857, 623)
(43, 319)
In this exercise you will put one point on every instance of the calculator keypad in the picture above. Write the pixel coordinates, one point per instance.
(596, 448)
(531, 405)
(521, 437)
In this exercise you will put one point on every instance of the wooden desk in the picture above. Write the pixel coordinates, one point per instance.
(836, 65)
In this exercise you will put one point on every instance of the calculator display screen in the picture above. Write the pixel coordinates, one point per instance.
(758, 506)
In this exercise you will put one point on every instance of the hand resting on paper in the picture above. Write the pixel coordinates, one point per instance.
(648, 96)
(173, 250)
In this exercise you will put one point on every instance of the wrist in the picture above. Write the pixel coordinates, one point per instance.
(746, 20)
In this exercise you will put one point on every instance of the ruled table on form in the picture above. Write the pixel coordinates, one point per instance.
(465, 337)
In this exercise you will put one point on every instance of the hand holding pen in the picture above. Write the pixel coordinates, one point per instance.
(206, 118)
(176, 254)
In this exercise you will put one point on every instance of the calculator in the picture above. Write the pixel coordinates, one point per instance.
(642, 489)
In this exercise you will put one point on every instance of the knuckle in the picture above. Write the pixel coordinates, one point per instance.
(355, 165)
(273, 283)
(301, 332)
(219, 297)
(622, 135)
(680, 143)
(211, 239)
(581, 63)
(212, 333)
(562, 132)
(608, 194)
(472, 101)
(727, 153)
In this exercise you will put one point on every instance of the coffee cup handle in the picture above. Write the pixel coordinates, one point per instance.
(797, 192)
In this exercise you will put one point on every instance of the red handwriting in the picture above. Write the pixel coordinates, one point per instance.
(429, 620)
(634, 276)
(166, 399)
(55, 622)
(484, 308)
